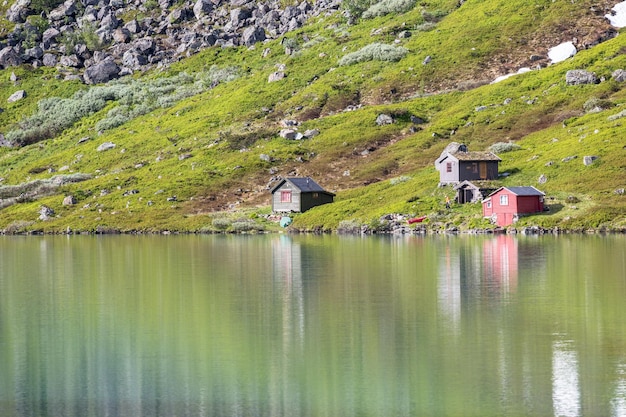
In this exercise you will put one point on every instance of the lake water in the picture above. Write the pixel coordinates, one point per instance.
(319, 326)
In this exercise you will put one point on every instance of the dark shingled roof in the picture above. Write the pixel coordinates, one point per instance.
(306, 184)
(524, 191)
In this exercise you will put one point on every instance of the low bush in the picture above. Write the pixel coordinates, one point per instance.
(502, 147)
(221, 223)
(135, 98)
(388, 6)
(374, 52)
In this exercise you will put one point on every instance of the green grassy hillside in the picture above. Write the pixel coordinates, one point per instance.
(196, 145)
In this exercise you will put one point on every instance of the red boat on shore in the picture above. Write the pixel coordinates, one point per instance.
(416, 220)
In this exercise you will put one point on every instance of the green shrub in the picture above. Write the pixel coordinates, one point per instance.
(502, 147)
(356, 7)
(388, 6)
(246, 225)
(594, 105)
(16, 227)
(135, 97)
(221, 223)
(374, 52)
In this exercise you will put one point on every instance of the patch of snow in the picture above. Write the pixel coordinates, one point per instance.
(504, 77)
(617, 17)
(562, 52)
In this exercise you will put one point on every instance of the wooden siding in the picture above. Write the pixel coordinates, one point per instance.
(453, 174)
(471, 170)
(507, 214)
(300, 201)
(280, 206)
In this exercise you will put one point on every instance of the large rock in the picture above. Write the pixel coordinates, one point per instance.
(202, 8)
(252, 35)
(619, 75)
(101, 72)
(49, 37)
(578, 76)
(10, 58)
(18, 12)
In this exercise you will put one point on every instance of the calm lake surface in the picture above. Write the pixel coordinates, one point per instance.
(319, 326)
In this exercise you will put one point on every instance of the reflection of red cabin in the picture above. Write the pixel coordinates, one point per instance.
(506, 204)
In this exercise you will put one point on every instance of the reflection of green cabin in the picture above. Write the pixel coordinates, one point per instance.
(298, 194)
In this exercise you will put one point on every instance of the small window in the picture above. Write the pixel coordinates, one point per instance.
(504, 200)
(474, 168)
(449, 167)
(285, 196)
(316, 195)
(489, 204)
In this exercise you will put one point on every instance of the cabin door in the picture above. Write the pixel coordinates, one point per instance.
(482, 170)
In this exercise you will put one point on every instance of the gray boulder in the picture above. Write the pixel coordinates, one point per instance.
(134, 59)
(122, 35)
(18, 95)
(10, 58)
(202, 8)
(276, 76)
(45, 213)
(252, 35)
(588, 160)
(69, 200)
(577, 77)
(619, 75)
(101, 72)
(49, 37)
(105, 146)
(384, 119)
(50, 60)
(18, 11)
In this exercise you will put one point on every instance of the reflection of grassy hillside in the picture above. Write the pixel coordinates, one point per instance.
(216, 151)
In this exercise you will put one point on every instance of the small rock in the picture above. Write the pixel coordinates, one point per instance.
(588, 160)
(310, 133)
(18, 95)
(45, 213)
(569, 158)
(619, 75)
(542, 179)
(276, 76)
(69, 200)
(384, 119)
(105, 146)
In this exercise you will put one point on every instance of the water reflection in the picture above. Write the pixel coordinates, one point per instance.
(565, 383)
(312, 326)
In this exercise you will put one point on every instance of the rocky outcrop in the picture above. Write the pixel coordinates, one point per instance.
(579, 76)
(104, 46)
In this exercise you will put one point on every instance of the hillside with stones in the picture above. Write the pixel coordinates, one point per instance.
(146, 116)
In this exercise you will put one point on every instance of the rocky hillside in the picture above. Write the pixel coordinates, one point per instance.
(104, 40)
(147, 116)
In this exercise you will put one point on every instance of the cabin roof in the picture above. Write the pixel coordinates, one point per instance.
(304, 184)
(474, 156)
(520, 191)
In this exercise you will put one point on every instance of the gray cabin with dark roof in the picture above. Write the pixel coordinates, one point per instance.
(298, 194)
(458, 165)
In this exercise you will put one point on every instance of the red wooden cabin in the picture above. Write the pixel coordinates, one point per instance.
(505, 205)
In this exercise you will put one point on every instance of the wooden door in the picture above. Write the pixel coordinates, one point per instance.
(482, 170)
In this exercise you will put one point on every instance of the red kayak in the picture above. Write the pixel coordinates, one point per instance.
(416, 220)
